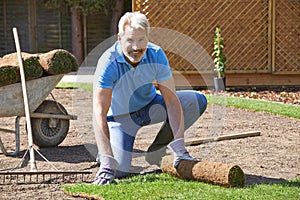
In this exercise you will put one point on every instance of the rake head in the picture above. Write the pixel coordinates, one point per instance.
(33, 177)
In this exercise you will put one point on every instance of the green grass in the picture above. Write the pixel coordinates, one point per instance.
(237, 102)
(164, 186)
(83, 86)
(257, 105)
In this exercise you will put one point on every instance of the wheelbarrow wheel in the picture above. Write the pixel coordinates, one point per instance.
(49, 132)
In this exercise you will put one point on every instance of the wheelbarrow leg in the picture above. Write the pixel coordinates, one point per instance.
(17, 138)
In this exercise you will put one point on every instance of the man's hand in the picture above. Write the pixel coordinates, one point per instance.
(183, 156)
(180, 152)
(106, 173)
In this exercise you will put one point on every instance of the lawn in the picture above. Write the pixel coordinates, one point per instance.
(164, 186)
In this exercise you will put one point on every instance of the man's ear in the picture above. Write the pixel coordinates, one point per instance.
(119, 37)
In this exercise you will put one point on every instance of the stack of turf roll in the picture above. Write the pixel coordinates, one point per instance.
(9, 68)
(54, 62)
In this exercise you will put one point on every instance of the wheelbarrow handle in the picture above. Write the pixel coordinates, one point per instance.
(54, 116)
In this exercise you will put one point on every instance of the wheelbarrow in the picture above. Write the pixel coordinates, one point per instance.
(49, 119)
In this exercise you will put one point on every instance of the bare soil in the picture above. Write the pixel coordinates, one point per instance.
(271, 157)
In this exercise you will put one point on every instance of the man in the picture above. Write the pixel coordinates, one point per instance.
(125, 100)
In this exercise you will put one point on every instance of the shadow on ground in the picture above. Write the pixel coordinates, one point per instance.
(68, 154)
(251, 180)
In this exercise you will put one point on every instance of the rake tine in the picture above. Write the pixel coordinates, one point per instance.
(68, 179)
(42, 176)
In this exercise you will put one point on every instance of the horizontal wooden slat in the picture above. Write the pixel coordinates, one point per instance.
(241, 79)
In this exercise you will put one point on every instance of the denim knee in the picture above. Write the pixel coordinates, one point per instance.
(202, 102)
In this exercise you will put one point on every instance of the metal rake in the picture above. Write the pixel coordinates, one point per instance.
(29, 177)
(12, 176)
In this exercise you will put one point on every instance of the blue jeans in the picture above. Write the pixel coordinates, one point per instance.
(123, 128)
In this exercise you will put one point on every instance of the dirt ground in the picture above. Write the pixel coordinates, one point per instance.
(271, 157)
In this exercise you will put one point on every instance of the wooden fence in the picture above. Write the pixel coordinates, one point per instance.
(262, 38)
(43, 28)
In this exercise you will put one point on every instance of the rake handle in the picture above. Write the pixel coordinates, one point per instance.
(26, 104)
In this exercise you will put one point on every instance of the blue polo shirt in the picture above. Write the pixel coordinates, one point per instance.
(132, 87)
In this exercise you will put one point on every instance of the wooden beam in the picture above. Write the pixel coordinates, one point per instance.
(32, 34)
(77, 35)
(273, 33)
(237, 79)
(197, 141)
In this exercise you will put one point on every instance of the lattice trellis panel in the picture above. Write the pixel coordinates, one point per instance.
(287, 36)
(244, 24)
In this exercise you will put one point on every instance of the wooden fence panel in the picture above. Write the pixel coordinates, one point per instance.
(98, 29)
(245, 26)
(13, 17)
(40, 29)
(53, 28)
(286, 37)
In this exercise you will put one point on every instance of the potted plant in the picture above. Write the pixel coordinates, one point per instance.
(219, 61)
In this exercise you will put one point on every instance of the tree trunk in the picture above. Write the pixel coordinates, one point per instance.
(77, 36)
(118, 11)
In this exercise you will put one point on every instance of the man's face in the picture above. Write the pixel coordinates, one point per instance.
(134, 44)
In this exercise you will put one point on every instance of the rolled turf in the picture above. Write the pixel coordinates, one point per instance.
(58, 61)
(9, 68)
(218, 173)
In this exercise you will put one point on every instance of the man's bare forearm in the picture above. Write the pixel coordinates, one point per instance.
(102, 136)
(176, 120)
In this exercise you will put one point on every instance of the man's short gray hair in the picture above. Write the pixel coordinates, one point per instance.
(134, 20)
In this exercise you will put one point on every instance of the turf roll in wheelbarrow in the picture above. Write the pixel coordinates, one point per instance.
(218, 173)
(58, 61)
(9, 68)
(8, 75)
